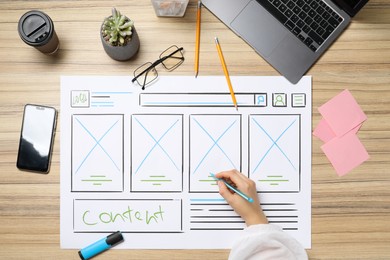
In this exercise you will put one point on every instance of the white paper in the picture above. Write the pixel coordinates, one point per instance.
(140, 161)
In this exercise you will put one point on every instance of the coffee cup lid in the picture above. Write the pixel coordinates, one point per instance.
(35, 28)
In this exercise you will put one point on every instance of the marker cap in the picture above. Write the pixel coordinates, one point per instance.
(114, 238)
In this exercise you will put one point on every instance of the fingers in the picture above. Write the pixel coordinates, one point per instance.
(234, 175)
(239, 179)
(224, 191)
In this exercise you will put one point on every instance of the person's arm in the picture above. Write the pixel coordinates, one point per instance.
(260, 240)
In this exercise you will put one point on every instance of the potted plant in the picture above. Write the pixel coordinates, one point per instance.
(119, 37)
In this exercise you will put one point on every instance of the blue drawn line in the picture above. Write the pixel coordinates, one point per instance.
(102, 105)
(215, 144)
(188, 103)
(274, 144)
(102, 102)
(111, 93)
(157, 143)
(97, 143)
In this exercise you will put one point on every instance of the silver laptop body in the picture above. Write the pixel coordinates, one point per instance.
(289, 53)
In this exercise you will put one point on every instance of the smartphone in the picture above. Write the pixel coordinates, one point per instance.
(36, 138)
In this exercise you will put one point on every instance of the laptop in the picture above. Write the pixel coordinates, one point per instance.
(289, 34)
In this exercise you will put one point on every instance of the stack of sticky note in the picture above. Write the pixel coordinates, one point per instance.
(342, 118)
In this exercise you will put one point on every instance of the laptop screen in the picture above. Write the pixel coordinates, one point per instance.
(351, 6)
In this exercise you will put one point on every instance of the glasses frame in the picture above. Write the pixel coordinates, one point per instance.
(157, 62)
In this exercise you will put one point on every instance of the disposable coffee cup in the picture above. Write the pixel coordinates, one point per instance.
(37, 29)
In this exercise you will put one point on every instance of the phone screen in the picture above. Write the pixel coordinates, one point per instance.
(36, 139)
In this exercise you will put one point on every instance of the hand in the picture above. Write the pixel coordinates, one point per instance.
(250, 212)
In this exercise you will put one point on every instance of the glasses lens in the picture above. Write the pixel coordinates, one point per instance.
(174, 57)
(145, 74)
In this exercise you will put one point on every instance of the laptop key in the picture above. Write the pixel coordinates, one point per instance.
(308, 20)
(314, 26)
(276, 3)
(296, 30)
(316, 37)
(300, 24)
(297, 10)
(288, 13)
(290, 5)
(333, 22)
(300, 3)
(312, 13)
(306, 29)
(314, 5)
(313, 48)
(320, 10)
(326, 34)
(320, 31)
(302, 15)
(282, 8)
(290, 25)
(294, 18)
(326, 15)
(308, 41)
(306, 8)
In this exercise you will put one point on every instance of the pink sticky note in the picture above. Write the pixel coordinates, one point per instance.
(325, 133)
(345, 153)
(342, 113)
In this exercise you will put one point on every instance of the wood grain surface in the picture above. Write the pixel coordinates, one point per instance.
(350, 214)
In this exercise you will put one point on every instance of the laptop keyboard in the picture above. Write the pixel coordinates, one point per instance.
(311, 21)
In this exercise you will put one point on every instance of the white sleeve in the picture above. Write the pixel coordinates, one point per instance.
(266, 241)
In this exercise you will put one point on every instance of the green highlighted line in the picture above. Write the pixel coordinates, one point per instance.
(207, 180)
(273, 180)
(156, 180)
(98, 180)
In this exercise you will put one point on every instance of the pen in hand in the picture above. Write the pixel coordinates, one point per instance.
(233, 188)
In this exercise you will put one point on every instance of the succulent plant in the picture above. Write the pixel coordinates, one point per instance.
(117, 29)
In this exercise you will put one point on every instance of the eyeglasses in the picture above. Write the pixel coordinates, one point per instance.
(171, 58)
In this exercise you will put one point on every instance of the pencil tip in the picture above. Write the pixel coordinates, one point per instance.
(196, 74)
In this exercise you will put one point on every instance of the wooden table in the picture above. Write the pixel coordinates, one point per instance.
(351, 214)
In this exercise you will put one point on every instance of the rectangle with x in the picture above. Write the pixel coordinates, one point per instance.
(157, 152)
(274, 152)
(215, 145)
(97, 152)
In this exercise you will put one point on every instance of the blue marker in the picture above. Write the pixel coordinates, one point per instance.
(233, 189)
(101, 245)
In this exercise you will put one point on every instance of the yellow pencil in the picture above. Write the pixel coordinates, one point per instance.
(226, 72)
(197, 43)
